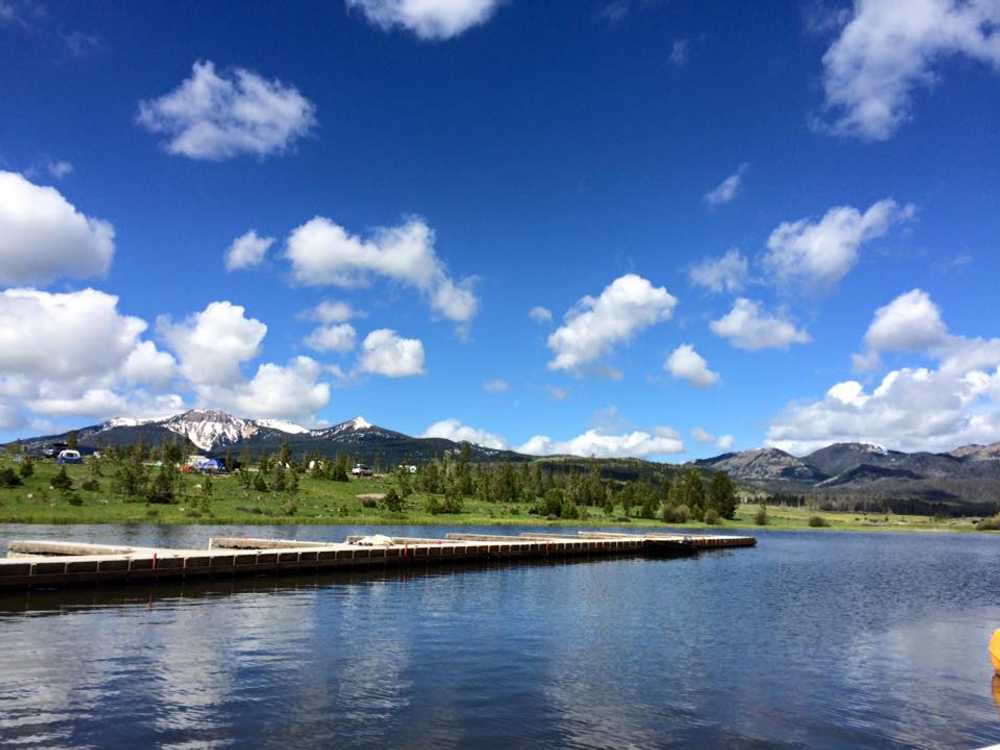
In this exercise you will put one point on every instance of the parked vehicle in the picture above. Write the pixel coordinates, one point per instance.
(69, 456)
(360, 470)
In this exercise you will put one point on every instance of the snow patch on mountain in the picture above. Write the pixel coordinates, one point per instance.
(282, 425)
(208, 428)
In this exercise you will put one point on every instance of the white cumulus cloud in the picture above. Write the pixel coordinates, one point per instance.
(723, 442)
(213, 116)
(749, 326)
(818, 254)
(147, 364)
(292, 392)
(727, 273)
(910, 322)
(594, 326)
(247, 250)
(428, 19)
(213, 343)
(75, 354)
(684, 363)
(335, 338)
(44, 237)
(324, 253)
(661, 441)
(384, 352)
(912, 408)
(332, 311)
(453, 429)
(889, 49)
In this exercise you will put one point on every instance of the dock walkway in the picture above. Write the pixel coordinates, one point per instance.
(51, 564)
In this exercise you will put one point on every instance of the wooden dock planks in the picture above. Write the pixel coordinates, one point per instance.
(33, 564)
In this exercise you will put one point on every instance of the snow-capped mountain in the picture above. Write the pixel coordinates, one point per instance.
(282, 425)
(356, 430)
(208, 429)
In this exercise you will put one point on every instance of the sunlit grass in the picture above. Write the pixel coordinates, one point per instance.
(326, 502)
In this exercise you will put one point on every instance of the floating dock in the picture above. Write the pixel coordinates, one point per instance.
(54, 564)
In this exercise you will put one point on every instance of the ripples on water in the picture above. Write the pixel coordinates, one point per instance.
(818, 639)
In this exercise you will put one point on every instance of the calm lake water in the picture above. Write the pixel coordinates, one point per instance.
(811, 639)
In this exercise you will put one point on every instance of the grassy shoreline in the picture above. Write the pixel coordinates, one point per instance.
(322, 502)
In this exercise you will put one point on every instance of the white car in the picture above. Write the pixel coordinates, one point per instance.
(360, 470)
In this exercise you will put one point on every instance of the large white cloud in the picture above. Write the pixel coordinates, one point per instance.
(428, 19)
(213, 343)
(888, 49)
(99, 403)
(661, 441)
(684, 363)
(44, 237)
(293, 392)
(384, 352)
(64, 336)
(247, 250)
(75, 354)
(453, 429)
(749, 326)
(727, 273)
(912, 408)
(213, 116)
(324, 253)
(910, 322)
(594, 326)
(147, 364)
(818, 254)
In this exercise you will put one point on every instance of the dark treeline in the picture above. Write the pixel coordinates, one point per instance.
(552, 491)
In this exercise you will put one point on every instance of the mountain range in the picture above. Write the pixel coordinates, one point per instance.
(850, 475)
(967, 477)
(216, 433)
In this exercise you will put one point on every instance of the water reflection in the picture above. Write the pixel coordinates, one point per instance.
(809, 640)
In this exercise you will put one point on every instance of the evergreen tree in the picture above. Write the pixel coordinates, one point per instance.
(340, 469)
(206, 486)
(259, 483)
(71, 440)
(722, 495)
(285, 454)
(27, 467)
(278, 478)
(61, 481)
(161, 489)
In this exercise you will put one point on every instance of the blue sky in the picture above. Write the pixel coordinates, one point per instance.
(442, 168)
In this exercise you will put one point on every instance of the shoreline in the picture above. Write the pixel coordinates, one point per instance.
(638, 524)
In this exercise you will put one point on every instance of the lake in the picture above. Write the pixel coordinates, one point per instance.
(829, 640)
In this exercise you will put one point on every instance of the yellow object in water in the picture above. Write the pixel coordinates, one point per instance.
(995, 651)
